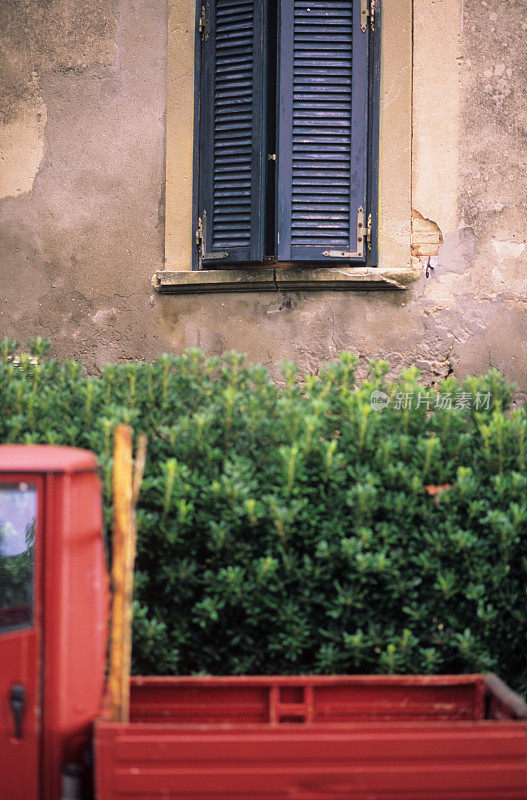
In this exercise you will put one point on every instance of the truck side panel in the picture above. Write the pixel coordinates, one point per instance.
(385, 761)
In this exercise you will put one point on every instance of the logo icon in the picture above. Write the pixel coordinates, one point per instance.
(379, 400)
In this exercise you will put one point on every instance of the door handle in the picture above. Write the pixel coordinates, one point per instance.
(17, 702)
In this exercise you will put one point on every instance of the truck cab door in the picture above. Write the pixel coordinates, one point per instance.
(20, 520)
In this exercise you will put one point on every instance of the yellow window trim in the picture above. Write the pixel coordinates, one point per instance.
(395, 161)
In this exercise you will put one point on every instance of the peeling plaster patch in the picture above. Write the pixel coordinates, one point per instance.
(106, 316)
(507, 250)
(38, 38)
(426, 236)
(457, 253)
(22, 148)
(497, 340)
(510, 273)
(446, 289)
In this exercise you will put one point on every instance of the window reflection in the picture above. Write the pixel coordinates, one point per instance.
(18, 511)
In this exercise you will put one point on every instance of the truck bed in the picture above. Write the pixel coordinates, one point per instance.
(316, 738)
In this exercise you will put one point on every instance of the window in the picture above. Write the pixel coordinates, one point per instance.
(284, 126)
(18, 510)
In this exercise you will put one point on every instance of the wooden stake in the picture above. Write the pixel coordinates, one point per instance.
(129, 557)
(126, 487)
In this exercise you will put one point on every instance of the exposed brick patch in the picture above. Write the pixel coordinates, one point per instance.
(426, 236)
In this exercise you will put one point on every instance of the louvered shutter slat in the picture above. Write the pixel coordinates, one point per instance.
(322, 128)
(232, 123)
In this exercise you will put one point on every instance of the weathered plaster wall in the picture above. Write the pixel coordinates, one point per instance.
(82, 197)
(472, 55)
(82, 174)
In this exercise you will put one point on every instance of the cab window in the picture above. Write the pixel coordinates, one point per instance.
(18, 513)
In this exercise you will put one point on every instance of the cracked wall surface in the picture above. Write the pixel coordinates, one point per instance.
(82, 209)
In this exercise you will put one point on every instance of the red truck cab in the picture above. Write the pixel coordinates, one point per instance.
(53, 615)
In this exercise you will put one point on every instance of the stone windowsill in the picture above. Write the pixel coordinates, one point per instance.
(288, 279)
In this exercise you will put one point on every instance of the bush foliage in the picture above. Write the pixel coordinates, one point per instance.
(292, 528)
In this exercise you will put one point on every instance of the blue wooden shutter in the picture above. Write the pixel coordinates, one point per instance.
(232, 132)
(323, 129)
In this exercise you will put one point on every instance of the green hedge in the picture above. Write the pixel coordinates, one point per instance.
(294, 528)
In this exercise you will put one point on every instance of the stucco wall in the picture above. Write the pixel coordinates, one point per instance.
(82, 176)
(83, 143)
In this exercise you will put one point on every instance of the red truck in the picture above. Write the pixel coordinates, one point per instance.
(202, 738)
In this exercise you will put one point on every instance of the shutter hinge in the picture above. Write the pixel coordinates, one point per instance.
(201, 242)
(204, 22)
(368, 232)
(367, 9)
(362, 235)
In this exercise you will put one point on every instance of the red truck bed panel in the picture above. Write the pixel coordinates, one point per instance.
(354, 738)
(454, 760)
(307, 698)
